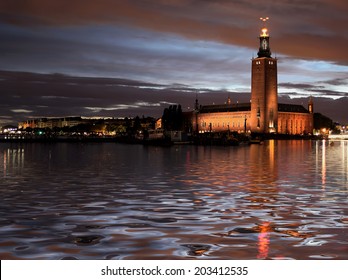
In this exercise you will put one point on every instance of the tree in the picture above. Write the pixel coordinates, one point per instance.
(136, 124)
(321, 121)
(172, 118)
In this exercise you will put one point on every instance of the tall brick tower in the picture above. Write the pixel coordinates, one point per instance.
(264, 87)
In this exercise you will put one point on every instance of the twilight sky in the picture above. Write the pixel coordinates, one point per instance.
(135, 57)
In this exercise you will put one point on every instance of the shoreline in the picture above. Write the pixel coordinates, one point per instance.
(202, 140)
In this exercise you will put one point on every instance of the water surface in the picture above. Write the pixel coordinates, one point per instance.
(283, 199)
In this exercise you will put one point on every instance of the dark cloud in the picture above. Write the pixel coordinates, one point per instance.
(320, 89)
(299, 86)
(119, 52)
(301, 28)
(27, 95)
(333, 93)
(338, 81)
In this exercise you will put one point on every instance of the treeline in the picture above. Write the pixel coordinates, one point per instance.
(321, 121)
(172, 118)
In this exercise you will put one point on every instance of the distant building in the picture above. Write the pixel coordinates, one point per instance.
(93, 124)
(52, 122)
(263, 114)
(158, 124)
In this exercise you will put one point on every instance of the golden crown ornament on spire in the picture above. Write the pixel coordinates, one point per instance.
(264, 29)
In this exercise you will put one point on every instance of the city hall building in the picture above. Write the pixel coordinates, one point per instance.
(263, 114)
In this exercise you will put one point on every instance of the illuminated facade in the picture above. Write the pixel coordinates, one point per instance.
(263, 114)
(52, 122)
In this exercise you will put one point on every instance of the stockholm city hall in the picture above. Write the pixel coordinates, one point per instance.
(263, 114)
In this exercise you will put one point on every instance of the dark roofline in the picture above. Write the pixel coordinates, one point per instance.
(239, 107)
(292, 108)
(236, 107)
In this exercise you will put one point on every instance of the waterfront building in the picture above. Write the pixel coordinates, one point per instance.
(263, 114)
(52, 122)
(96, 125)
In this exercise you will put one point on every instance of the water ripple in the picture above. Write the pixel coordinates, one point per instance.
(280, 200)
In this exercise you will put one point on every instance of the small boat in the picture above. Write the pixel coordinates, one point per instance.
(255, 141)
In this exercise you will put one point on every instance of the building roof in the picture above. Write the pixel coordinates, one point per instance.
(225, 108)
(237, 107)
(292, 108)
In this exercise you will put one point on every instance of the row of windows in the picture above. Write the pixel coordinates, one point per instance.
(217, 117)
(269, 62)
(294, 126)
(227, 125)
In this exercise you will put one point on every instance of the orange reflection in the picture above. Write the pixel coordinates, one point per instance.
(264, 158)
(323, 165)
(264, 240)
(13, 159)
(271, 155)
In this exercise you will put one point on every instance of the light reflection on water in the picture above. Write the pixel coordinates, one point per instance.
(283, 199)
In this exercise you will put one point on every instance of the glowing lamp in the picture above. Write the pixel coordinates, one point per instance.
(264, 32)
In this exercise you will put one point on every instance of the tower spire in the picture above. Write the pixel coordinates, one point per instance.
(264, 49)
(196, 103)
(310, 105)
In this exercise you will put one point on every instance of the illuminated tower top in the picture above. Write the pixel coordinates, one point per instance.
(264, 49)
